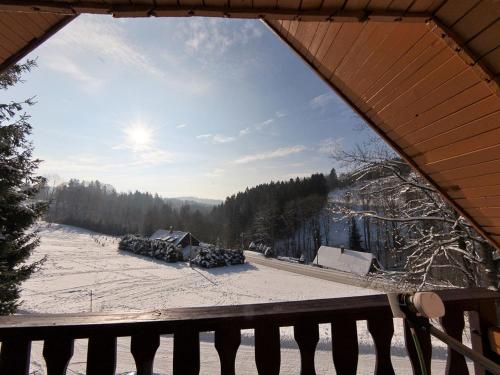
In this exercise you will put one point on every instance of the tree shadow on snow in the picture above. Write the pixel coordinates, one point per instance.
(228, 269)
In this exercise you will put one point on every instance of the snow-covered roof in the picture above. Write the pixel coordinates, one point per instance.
(348, 261)
(175, 236)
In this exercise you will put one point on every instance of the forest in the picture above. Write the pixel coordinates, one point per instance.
(378, 205)
(264, 213)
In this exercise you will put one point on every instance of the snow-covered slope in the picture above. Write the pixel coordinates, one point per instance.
(80, 263)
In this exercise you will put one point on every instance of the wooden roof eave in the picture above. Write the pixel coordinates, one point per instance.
(388, 140)
(35, 42)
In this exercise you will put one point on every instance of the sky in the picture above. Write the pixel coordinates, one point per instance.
(181, 107)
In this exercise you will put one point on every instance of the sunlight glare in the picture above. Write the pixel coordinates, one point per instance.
(139, 135)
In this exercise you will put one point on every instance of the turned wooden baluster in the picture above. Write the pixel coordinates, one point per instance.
(382, 329)
(15, 357)
(143, 348)
(453, 324)
(227, 342)
(267, 350)
(307, 337)
(480, 321)
(101, 355)
(424, 338)
(345, 346)
(186, 352)
(57, 352)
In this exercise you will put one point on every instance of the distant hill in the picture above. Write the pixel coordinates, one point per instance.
(210, 202)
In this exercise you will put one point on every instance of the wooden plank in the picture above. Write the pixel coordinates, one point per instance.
(345, 349)
(453, 324)
(487, 221)
(101, 355)
(485, 180)
(57, 352)
(463, 99)
(288, 4)
(427, 136)
(304, 34)
(472, 192)
(186, 351)
(326, 42)
(143, 347)
(483, 202)
(267, 349)
(15, 356)
(11, 22)
(430, 59)
(306, 335)
(426, 5)
(461, 148)
(393, 70)
(311, 4)
(480, 320)
(404, 36)
(492, 60)
(211, 318)
(345, 38)
(402, 5)
(227, 342)
(320, 34)
(382, 330)
(477, 20)
(452, 11)
(424, 340)
(450, 79)
(355, 4)
(489, 168)
(360, 53)
(486, 41)
(493, 230)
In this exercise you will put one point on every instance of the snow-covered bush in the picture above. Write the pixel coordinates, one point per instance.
(152, 248)
(209, 257)
(268, 252)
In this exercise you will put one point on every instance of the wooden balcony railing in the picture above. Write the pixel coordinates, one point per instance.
(59, 332)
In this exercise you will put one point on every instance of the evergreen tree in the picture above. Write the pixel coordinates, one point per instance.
(354, 237)
(18, 187)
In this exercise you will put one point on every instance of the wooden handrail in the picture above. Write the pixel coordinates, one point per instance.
(59, 330)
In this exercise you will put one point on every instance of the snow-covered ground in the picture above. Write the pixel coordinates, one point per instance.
(81, 263)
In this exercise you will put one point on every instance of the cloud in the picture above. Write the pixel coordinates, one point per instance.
(212, 37)
(75, 71)
(321, 100)
(278, 153)
(216, 138)
(107, 39)
(245, 131)
(331, 146)
(264, 124)
(280, 114)
(215, 173)
(181, 126)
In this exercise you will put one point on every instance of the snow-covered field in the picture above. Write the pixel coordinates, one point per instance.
(81, 264)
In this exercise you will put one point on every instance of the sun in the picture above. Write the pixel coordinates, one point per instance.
(139, 136)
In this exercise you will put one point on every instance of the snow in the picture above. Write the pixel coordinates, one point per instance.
(80, 262)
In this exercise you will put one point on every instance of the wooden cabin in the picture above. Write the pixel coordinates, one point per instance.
(424, 74)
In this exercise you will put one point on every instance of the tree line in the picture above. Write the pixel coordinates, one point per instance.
(265, 213)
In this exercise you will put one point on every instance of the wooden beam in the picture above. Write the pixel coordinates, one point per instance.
(270, 12)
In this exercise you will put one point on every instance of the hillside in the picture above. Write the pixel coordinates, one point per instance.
(80, 261)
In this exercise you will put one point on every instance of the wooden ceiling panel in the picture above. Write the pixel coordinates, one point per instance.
(456, 132)
(477, 20)
(425, 74)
